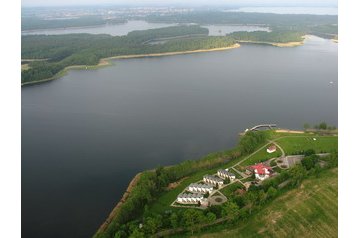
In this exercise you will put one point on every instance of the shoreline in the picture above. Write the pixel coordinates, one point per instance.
(282, 45)
(107, 61)
(118, 206)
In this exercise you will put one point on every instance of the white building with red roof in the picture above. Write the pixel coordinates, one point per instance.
(261, 171)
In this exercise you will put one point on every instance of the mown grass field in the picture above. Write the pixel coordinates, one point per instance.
(308, 211)
(292, 145)
(261, 156)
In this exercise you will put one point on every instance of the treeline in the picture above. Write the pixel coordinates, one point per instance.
(251, 140)
(220, 17)
(321, 25)
(238, 208)
(152, 183)
(36, 23)
(86, 49)
(274, 36)
(323, 126)
(172, 31)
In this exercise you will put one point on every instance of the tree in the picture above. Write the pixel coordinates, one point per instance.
(306, 126)
(250, 199)
(192, 218)
(271, 192)
(152, 224)
(309, 161)
(231, 210)
(323, 126)
(137, 234)
(210, 217)
(298, 173)
(174, 221)
(309, 152)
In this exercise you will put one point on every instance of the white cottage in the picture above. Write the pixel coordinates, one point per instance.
(222, 173)
(213, 180)
(190, 198)
(200, 188)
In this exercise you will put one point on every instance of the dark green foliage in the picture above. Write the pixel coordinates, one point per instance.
(219, 17)
(323, 126)
(309, 152)
(274, 36)
(34, 23)
(309, 161)
(249, 142)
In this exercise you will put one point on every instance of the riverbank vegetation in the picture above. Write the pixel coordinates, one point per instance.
(148, 211)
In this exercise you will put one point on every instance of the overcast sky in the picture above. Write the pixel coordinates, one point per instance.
(182, 2)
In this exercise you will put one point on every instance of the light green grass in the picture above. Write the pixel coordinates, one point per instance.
(295, 145)
(308, 211)
(261, 156)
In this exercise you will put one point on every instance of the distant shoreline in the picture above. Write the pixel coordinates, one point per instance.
(107, 61)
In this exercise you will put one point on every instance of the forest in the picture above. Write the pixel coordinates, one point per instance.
(61, 51)
(29, 23)
(325, 26)
(274, 36)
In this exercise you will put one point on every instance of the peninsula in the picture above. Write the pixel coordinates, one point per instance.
(224, 188)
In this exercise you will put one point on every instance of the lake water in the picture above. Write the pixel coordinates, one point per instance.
(112, 29)
(124, 29)
(86, 135)
(290, 10)
(222, 30)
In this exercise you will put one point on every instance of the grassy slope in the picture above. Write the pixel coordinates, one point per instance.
(308, 211)
(322, 144)
(262, 155)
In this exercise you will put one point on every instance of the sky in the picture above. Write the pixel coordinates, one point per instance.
(182, 2)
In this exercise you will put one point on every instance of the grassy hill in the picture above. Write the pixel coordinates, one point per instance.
(308, 211)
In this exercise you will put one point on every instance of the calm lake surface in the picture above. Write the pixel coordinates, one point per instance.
(124, 29)
(290, 10)
(86, 135)
(112, 29)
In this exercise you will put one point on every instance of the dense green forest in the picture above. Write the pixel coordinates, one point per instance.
(322, 25)
(86, 49)
(262, 36)
(34, 23)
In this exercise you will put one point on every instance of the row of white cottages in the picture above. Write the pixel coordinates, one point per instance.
(199, 189)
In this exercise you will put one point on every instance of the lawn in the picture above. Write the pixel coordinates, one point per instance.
(308, 211)
(261, 156)
(295, 145)
(229, 191)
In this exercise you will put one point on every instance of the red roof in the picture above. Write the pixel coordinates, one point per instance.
(260, 168)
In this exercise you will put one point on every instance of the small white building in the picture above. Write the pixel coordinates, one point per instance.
(200, 188)
(271, 149)
(190, 198)
(213, 180)
(222, 173)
